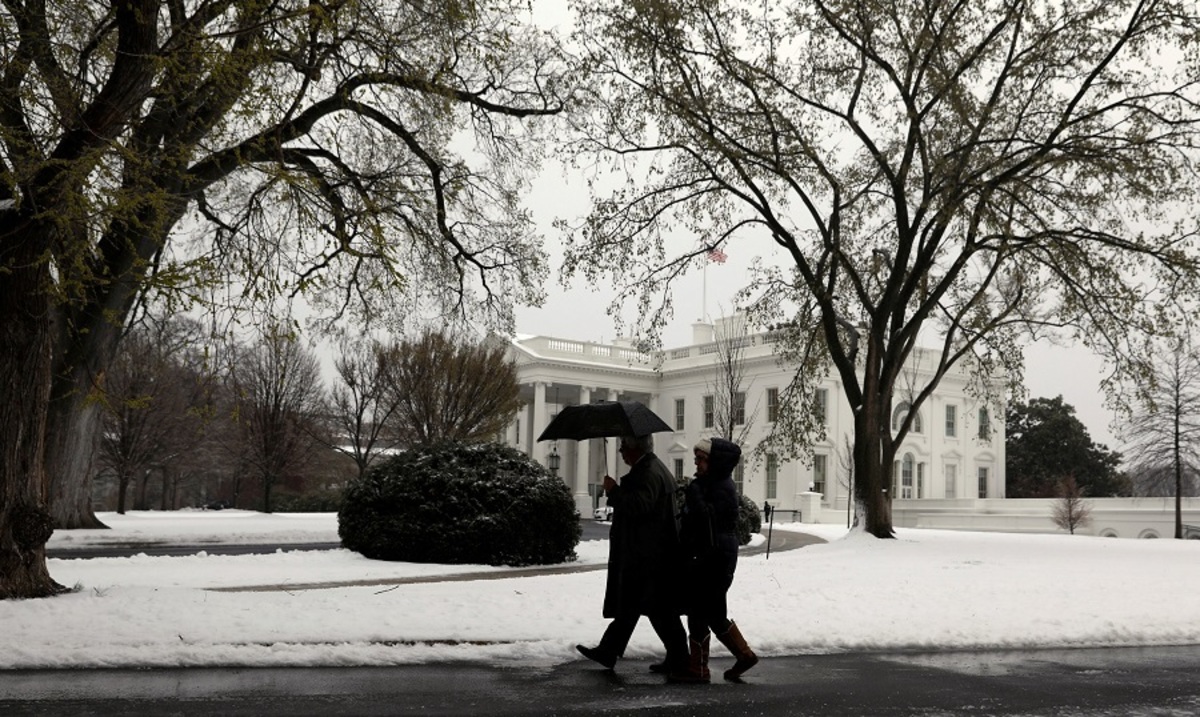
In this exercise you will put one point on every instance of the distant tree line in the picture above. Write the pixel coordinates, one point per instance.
(191, 422)
(1049, 452)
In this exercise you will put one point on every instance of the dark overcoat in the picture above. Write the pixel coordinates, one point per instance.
(709, 527)
(643, 547)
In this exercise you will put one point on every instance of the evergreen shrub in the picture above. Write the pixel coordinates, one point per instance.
(323, 501)
(749, 519)
(460, 503)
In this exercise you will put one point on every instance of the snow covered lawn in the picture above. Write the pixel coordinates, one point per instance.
(928, 589)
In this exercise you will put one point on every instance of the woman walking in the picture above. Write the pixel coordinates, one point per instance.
(709, 535)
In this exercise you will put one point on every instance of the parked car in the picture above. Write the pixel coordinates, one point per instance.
(604, 512)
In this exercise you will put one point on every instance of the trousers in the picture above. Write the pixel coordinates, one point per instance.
(668, 627)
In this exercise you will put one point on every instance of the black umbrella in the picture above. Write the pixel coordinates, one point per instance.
(603, 419)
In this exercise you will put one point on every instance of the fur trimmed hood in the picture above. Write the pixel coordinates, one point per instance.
(723, 458)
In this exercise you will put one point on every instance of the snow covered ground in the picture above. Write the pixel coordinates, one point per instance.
(928, 589)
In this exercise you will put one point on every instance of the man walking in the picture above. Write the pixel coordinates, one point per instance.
(643, 557)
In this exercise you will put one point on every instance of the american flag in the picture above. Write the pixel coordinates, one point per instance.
(717, 256)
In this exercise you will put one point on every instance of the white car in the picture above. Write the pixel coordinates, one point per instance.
(604, 512)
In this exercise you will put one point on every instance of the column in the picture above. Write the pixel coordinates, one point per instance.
(525, 428)
(661, 443)
(615, 466)
(537, 423)
(583, 500)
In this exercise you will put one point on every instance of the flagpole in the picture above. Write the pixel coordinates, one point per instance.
(719, 257)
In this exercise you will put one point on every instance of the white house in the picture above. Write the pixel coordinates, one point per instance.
(954, 452)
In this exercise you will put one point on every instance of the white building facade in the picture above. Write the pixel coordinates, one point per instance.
(955, 450)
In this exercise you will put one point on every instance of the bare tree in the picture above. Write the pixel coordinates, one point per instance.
(361, 409)
(1070, 510)
(958, 173)
(1164, 437)
(155, 402)
(449, 389)
(335, 125)
(731, 419)
(277, 389)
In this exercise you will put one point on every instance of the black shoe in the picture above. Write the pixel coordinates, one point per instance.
(660, 667)
(595, 654)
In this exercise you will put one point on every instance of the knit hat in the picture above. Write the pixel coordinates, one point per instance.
(704, 446)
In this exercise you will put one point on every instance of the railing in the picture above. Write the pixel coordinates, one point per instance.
(565, 347)
(571, 347)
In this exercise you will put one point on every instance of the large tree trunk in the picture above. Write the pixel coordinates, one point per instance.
(872, 459)
(72, 434)
(86, 346)
(25, 367)
(872, 477)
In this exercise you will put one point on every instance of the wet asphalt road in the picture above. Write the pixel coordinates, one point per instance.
(1120, 682)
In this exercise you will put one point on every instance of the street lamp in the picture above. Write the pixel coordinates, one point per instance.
(553, 461)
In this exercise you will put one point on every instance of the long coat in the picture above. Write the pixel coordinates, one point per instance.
(643, 547)
(710, 524)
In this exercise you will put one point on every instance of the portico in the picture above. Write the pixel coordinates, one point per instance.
(678, 384)
(581, 464)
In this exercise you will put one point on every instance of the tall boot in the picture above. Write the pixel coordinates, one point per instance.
(732, 639)
(696, 670)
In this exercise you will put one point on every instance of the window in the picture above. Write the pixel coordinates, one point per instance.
(920, 489)
(821, 404)
(772, 404)
(983, 481)
(901, 413)
(951, 480)
(708, 412)
(739, 408)
(906, 476)
(739, 474)
(678, 469)
(819, 468)
(985, 425)
(951, 421)
(772, 476)
(679, 413)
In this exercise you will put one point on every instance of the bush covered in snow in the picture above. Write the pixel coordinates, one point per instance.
(460, 503)
(749, 519)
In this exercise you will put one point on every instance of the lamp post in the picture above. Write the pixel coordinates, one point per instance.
(554, 461)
